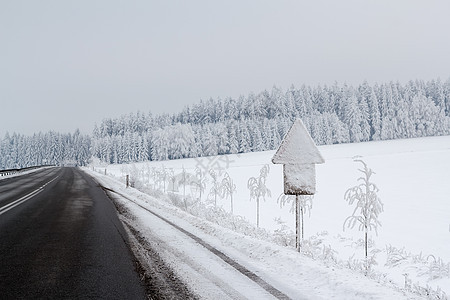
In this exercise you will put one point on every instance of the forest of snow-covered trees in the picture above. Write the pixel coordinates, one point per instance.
(332, 114)
(257, 122)
(19, 151)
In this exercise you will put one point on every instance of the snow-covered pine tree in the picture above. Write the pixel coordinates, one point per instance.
(233, 144)
(243, 138)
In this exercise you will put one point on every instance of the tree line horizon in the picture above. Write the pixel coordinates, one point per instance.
(334, 114)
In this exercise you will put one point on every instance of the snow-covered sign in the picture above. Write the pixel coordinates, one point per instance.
(298, 154)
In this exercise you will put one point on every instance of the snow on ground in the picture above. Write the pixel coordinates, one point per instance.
(293, 274)
(413, 178)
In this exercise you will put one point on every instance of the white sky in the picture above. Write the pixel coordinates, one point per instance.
(68, 64)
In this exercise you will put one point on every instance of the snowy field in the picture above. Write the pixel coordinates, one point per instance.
(412, 248)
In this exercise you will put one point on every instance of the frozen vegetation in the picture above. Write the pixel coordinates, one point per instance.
(409, 254)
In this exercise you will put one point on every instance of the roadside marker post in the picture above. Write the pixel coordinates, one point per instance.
(299, 155)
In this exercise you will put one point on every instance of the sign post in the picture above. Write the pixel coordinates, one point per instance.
(299, 155)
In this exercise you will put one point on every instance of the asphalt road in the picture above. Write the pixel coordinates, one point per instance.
(60, 238)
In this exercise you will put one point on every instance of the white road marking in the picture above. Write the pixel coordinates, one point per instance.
(24, 198)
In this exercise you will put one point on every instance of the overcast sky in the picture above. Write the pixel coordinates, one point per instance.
(68, 64)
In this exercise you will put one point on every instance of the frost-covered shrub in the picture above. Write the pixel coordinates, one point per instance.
(220, 216)
(200, 181)
(315, 248)
(429, 292)
(283, 236)
(258, 188)
(435, 269)
(361, 243)
(368, 205)
(395, 256)
(329, 254)
(227, 189)
(149, 190)
(161, 177)
(304, 205)
(214, 192)
(176, 200)
(430, 266)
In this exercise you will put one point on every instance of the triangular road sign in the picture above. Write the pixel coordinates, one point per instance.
(297, 147)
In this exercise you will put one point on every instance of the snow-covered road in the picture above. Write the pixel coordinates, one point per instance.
(217, 263)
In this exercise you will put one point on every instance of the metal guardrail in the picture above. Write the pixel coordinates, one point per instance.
(15, 171)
